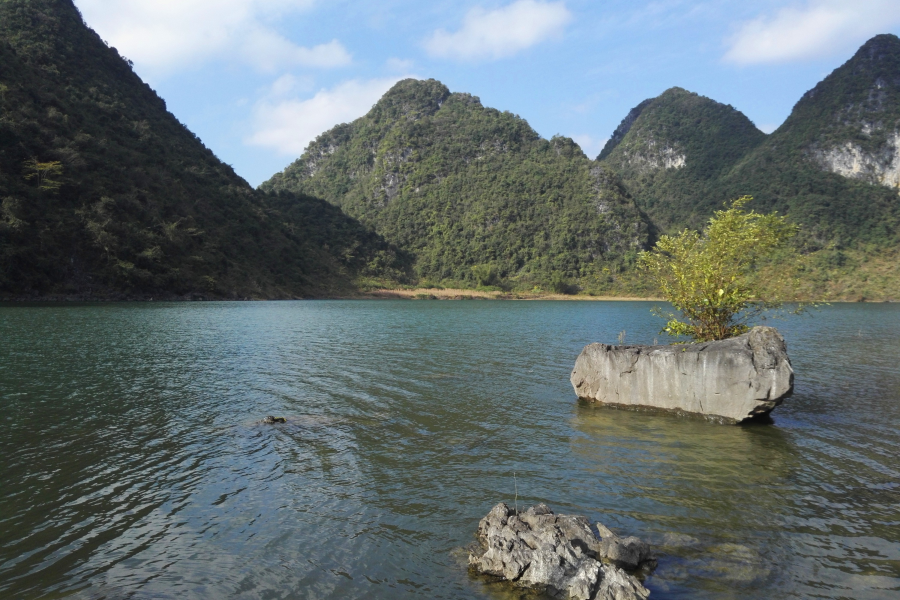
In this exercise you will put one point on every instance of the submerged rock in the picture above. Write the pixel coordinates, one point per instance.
(559, 554)
(733, 380)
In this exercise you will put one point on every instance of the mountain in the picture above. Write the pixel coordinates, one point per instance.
(833, 166)
(670, 152)
(103, 193)
(475, 194)
(849, 124)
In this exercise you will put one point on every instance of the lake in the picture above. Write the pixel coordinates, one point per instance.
(133, 467)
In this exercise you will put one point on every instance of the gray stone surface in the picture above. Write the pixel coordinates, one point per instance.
(626, 552)
(559, 554)
(732, 380)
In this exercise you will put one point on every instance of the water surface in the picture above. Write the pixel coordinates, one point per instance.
(131, 464)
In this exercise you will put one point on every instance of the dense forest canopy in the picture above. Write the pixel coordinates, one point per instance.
(477, 197)
(475, 194)
(105, 193)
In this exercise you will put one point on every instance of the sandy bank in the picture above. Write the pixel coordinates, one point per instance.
(461, 294)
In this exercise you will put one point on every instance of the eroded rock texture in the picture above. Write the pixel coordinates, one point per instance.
(732, 380)
(559, 554)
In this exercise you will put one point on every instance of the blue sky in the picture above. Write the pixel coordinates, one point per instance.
(257, 80)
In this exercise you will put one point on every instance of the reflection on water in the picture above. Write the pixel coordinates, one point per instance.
(133, 463)
(708, 489)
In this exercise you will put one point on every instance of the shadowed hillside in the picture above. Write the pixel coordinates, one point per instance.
(105, 194)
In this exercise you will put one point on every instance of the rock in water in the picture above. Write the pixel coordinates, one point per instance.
(556, 553)
(732, 380)
(270, 420)
(628, 552)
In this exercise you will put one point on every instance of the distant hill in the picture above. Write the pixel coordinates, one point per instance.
(103, 193)
(477, 197)
(672, 150)
(475, 194)
(833, 166)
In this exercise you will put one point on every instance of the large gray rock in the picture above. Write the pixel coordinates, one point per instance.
(731, 380)
(559, 554)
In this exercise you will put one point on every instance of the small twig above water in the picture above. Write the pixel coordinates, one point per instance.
(516, 483)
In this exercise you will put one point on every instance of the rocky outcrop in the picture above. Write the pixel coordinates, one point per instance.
(558, 554)
(881, 167)
(730, 380)
(654, 156)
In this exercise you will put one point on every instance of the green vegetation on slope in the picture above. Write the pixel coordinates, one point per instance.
(473, 193)
(477, 197)
(857, 106)
(670, 152)
(858, 102)
(831, 168)
(725, 156)
(138, 205)
(103, 193)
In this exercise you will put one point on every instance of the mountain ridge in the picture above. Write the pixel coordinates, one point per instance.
(673, 160)
(138, 206)
(671, 145)
(470, 189)
(104, 193)
(792, 172)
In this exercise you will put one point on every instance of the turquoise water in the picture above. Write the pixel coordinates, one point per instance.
(132, 466)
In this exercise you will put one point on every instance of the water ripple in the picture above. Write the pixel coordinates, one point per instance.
(133, 464)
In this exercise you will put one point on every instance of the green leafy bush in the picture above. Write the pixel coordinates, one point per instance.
(710, 278)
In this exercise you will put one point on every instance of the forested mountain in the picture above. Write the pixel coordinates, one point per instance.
(833, 166)
(103, 193)
(475, 194)
(671, 151)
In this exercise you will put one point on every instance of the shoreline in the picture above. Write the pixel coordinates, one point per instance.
(373, 294)
(464, 294)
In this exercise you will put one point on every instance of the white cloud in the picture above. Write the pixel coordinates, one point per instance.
(501, 33)
(589, 144)
(289, 125)
(399, 65)
(165, 35)
(269, 51)
(290, 85)
(818, 28)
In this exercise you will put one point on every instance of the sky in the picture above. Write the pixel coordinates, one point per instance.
(257, 80)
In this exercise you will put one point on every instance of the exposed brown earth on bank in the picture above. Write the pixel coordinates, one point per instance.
(463, 294)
